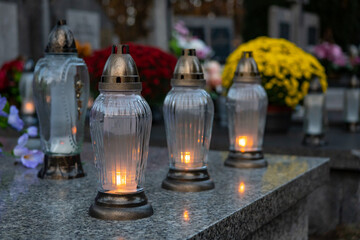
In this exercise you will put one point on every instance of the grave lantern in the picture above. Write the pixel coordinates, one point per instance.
(188, 114)
(61, 91)
(26, 94)
(352, 105)
(246, 107)
(120, 124)
(315, 115)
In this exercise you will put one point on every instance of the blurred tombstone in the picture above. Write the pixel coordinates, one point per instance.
(295, 25)
(216, 32)
(9, 48)
(85, 26)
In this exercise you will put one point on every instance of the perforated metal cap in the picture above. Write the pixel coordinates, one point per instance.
(120, 71)
(61, 39)
(315, 86)
(247, 70)
(188, 70)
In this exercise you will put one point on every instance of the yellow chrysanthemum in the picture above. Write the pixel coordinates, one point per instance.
(285, 68)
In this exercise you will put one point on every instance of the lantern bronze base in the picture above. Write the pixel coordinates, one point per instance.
(353, 127)
(61, 167)
(314, 140)
(121, 206)
(188, 180)
(246, 159)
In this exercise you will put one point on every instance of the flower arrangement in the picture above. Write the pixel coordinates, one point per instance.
(335, 60)
(286, 70)
(154, 65)
(9, 116)
(181, 38)
(10, 74)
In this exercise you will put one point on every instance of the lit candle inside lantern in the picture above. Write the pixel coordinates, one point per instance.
(186, 215)
(185, 157)
(124, 182)
(244, 142)
(28, 107)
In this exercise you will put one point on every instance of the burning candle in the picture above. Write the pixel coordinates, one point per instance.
(186, 158)
(28, 107)
(241, 187)
(123, 182)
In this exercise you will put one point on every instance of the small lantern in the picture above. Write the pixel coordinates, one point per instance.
(315, 115)
(352, 105)
(246, 107)
(26, 94)
(120, 124)
(188, 113)
(61, 91)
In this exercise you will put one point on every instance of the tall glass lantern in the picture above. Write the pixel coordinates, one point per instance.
(120, 124)
(315, 115)
(26, 94)
(352, 105)
(188, 114)
(246, 107)
(61, 91)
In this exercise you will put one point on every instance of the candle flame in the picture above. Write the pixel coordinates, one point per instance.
(242, 187)
(120, 179)
(185, 158)
(29, 107)
(186, 215)
(74, 130)
(242, 141)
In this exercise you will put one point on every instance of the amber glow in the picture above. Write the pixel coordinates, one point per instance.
(29, 108)
(241, 187)
(244, 142)
(74, 130)
(186, 215)
(124, 182)
(185, 157)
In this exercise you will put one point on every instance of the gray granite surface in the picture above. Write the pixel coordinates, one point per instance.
(47, 209)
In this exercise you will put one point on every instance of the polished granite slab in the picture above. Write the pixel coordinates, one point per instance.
(38, 209)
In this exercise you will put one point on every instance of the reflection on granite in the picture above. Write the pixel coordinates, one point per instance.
(242, 201)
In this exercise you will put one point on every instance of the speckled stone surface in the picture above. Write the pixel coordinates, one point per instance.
(35, 208)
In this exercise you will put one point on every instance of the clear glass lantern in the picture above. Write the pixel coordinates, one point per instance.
(26, 94)
(352, 105)
(188, 114)
(315, 115)
(246, 107)
(120, 124)
(61, 91)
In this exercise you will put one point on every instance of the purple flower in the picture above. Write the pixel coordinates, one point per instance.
(32, 158)
(32, 131)
(181, 28)
(23, 139)
(2, 105)
(14, 119)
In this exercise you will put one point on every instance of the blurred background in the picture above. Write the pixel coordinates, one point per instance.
(294, 42)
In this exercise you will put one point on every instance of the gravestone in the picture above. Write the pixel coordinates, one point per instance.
(9, 39)
(85, 26)
(300, 27)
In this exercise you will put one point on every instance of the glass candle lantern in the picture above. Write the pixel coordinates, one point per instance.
(26, 93)
(188, 114)
(315, 115)
(352, 105)
(246, 107)
(61, 91)
(120, 124)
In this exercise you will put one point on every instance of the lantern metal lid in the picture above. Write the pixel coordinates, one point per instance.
(247, 70)
(188, 70)
(61, 39)
(120, 71)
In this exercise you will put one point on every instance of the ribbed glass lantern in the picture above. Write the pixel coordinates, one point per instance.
(26, 94)
(352, 105)
(315, 115)
(120, 124)
(188, 114)
(246, 107)
(61, 91)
